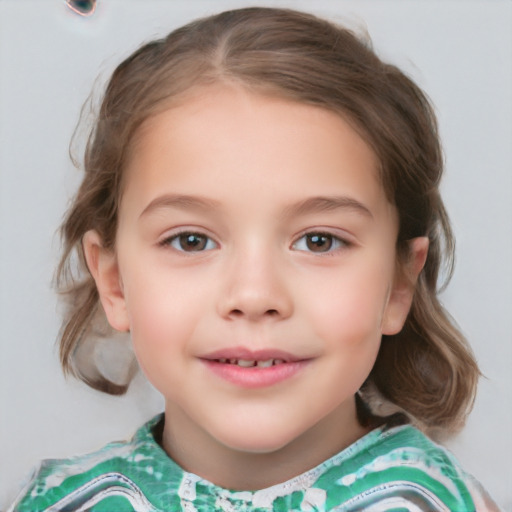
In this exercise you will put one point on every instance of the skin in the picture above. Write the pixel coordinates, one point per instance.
(243, 172)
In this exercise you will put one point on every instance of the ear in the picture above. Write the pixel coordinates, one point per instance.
(400, 297)
(103, 266)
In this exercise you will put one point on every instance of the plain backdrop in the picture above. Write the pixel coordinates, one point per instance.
(459, 51)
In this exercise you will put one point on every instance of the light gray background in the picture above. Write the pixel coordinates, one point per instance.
(460, 51)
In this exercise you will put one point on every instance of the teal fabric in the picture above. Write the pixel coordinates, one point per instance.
(398, 469)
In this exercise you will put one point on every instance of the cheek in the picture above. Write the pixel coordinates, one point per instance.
(352, 305)
(163, 313)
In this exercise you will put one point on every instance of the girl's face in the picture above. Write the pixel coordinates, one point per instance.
(255, 269)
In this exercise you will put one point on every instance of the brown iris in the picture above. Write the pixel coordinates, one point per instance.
(192, 242)
(319, 242)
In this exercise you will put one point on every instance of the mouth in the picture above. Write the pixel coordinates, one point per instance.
(254, 369)
(246, 358)
(250, 363)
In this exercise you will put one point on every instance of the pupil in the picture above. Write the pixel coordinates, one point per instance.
(191, 242)
(319, 243)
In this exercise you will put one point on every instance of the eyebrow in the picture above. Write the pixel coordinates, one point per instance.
(180, 201)
(309, 205)
(328, 203)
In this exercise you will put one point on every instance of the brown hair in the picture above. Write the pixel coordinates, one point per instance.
(427, 370)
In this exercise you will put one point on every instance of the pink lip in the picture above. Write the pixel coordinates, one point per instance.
(254, 377)
(251, 355)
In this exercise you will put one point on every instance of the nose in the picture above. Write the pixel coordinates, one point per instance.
(255, 288)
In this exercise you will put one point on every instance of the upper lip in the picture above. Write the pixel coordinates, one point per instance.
(251, 355)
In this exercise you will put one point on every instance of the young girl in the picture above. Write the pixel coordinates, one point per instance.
(260, 211)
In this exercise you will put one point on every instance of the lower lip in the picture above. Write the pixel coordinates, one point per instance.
(255, 377)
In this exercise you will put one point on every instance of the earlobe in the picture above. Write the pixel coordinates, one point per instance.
(104, 268)
(400, 298)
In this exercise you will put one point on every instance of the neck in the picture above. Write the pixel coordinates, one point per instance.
(199, 453)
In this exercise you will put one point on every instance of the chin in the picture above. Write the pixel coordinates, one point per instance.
(256, 447)
(257, 440)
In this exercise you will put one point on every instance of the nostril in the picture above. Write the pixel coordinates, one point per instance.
(239, 313)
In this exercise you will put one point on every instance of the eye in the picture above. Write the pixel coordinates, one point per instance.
(319, 242)
(188, 241)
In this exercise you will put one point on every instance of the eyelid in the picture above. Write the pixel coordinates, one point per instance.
(345, 239)
(172, 234)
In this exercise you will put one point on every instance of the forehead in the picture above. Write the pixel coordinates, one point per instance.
(217, 138)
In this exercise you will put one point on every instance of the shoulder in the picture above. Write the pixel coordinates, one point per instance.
(118, 472)
(401, 467)
(441, 466)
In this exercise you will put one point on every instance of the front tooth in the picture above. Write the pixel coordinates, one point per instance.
(278, 361)
(245, 363)
(233, 361)
(222, 360)
(265, 364)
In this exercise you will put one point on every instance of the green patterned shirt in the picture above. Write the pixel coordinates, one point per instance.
(398, 469)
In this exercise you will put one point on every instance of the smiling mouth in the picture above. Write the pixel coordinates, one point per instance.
(254, 369)
(251, 363)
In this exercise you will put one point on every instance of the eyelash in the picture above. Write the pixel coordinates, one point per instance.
(336, 242)
(206, 243)
(177, 237)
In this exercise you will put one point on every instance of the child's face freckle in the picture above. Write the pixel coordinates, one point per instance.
(240, 176)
